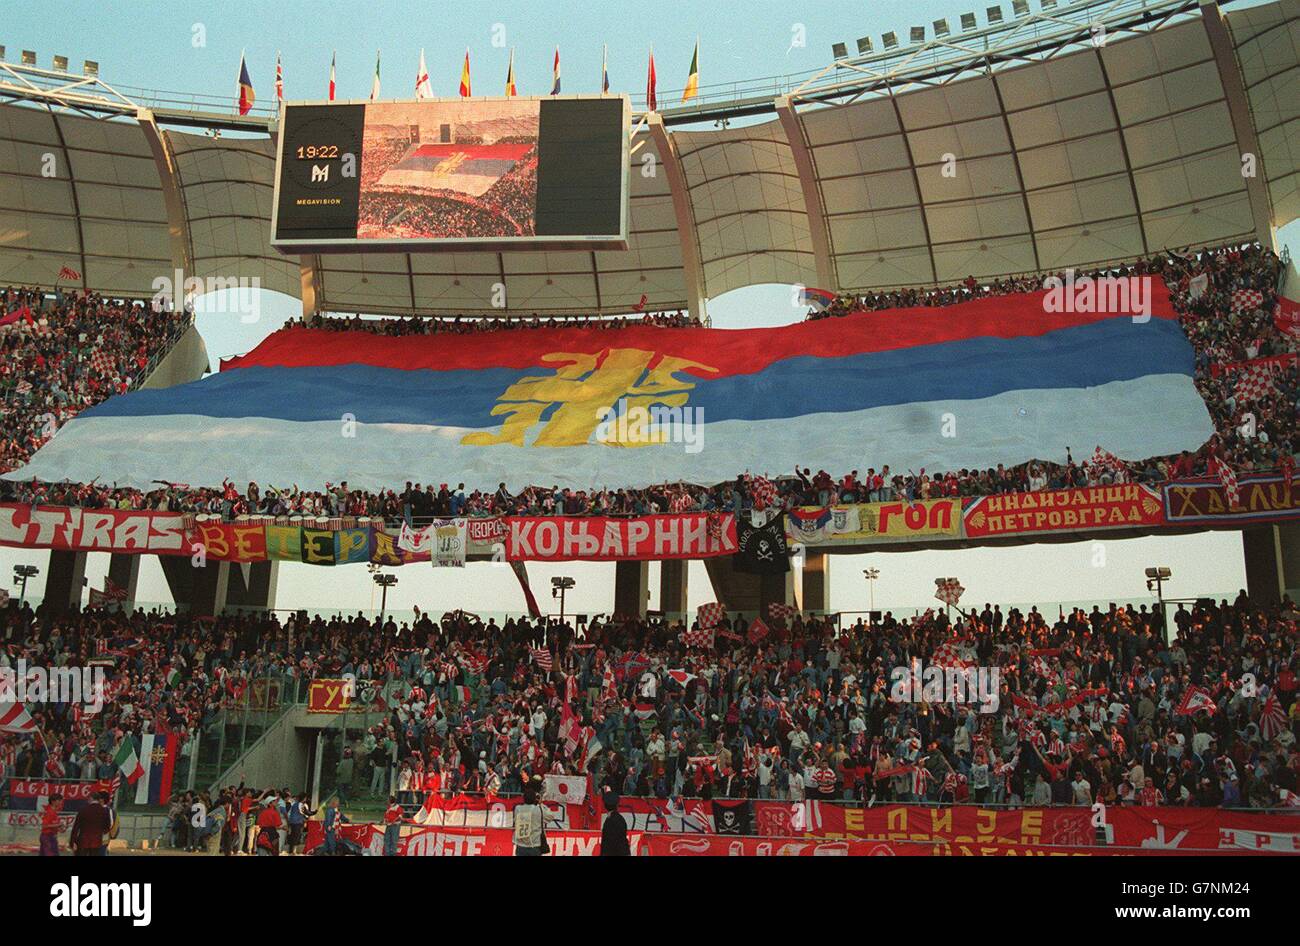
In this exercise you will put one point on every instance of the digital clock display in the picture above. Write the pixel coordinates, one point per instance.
(317, 152)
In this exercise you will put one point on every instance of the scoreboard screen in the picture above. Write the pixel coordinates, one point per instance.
(509, 173)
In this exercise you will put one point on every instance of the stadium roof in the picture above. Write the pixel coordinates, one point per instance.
(1069, 152)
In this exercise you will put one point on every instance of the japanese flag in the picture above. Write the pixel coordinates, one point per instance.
(567, 789)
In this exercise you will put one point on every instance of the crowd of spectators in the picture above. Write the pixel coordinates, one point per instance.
(1091, 705)
(59, 356)
(463, 325)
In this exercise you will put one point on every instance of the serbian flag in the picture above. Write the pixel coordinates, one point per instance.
(693, 78)
(819, 299)
(555, 82)
(464, 77)
(650, 103)
(1022, 376)
(158, 755)
(246, 96)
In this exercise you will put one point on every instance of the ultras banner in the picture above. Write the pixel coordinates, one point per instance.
(873, 522)
(688, 845)
(1260, 499)
(1123, 506)
(92, 530)
(601, 539)
(463, 842)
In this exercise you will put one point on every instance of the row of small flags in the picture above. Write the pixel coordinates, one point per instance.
(245, 95)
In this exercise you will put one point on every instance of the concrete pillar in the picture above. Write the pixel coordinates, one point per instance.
(211, 583)
(672, 586)
(1272, 555)
(741, 591)
(124, 571)
(816, 582)
(252, 586)
(199, 591)
(631, 588)
(65, 576)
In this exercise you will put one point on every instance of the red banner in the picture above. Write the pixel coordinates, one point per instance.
(1204, 829)
(463, 842)
(1127, 505)
(685, 845)
(1262, 499)
(601, 539)
(92, 530)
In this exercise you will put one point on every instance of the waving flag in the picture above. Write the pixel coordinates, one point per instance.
(650, 103)
(604, 69)
(819, 299)
(1272, 718)
(693, 78)
(158, 754)
(246, 96)
(333, 56)
(374, 86)
(542, 657)
(15, 718)
(1196, 700)
(127, 761)
(511, 89)
(557, 404)
(464, 78)
(423, 88)
(279, 79)
(555, 82)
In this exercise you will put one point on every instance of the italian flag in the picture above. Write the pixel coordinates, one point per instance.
(693, 80)
(128, 762)
(461, 694)
(173, 676)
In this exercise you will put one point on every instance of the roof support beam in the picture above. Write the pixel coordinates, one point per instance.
(76, 204)
(1020, 177)
(1243, 127)
(916, 183)
(818, 230)
(307, 280)
(692, 268)
(164, 160)
(1123, 148)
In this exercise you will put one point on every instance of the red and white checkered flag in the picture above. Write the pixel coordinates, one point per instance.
(700, 638)
(948, 590)
(763, 492)
(710, 615)
(1244, 300)
(1227, 478)
(776, 611)
(1254, 382)
(947, 654)
(1106, 460)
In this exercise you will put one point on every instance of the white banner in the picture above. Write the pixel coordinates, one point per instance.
(418, 541)
(450, 540)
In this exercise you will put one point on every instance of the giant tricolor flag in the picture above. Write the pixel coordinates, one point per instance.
(158, 756)
(246, 96)
(560, 404)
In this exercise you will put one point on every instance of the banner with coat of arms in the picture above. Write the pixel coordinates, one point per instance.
(450, 542)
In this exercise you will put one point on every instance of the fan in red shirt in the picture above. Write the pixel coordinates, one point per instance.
(51, 825)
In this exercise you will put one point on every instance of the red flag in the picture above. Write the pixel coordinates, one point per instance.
(650, 103)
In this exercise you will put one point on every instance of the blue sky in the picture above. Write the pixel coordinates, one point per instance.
(193, 49)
